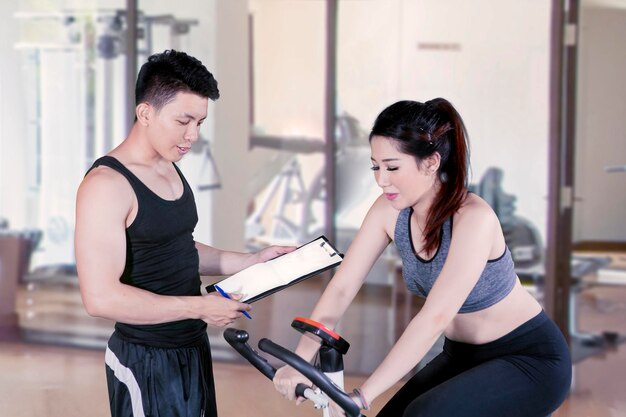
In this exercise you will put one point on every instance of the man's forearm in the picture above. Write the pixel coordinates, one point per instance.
(220, 262)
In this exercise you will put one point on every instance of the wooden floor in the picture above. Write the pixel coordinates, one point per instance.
(47, 379)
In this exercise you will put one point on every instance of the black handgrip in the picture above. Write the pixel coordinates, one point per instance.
(315, 375)
(300, 388)
(238, 340)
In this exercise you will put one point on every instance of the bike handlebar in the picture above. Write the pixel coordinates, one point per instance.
(238, 340)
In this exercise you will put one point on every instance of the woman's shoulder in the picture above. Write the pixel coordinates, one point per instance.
(381, 206)
(383, 214)
(475, 210)
(476, 224)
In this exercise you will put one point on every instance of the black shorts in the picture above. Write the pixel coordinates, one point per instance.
(155, 381)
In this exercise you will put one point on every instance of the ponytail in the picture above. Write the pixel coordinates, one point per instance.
(450, 140)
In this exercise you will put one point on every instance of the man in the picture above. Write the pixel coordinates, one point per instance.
(137, 261)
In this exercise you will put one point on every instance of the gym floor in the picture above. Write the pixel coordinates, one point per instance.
(55, 379)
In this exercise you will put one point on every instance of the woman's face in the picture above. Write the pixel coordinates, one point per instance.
(403, 182)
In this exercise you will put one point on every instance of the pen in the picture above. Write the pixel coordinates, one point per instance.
(225, 294)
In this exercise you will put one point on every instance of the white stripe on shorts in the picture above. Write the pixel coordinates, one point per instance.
(126, 377)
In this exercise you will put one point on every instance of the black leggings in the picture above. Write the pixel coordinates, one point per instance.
(526, 373)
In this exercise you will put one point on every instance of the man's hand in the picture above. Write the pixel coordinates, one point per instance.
(220, 311)
(271, 252)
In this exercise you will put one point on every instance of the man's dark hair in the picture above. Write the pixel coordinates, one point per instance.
(170, 72)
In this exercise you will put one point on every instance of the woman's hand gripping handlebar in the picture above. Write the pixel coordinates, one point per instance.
(238, 340)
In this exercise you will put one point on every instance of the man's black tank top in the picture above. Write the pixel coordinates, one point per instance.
(161, 257)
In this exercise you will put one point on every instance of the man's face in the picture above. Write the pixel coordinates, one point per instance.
(176, 126)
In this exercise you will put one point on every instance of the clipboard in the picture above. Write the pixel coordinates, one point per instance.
(263, 279)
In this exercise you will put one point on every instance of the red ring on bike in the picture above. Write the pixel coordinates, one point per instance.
(319, 326)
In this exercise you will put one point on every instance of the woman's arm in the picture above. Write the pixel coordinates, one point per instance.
(370, 241)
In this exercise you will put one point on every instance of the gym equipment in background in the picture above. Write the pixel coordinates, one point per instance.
(522, 238)
(290, 204)
(88, 47)
(208, 175)
(286, 209)
(79, 55)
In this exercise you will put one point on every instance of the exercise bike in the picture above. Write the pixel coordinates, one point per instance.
(327, 376)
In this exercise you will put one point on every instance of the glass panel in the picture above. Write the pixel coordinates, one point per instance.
(64, 85)
(70, 63)
(387, 50)
(479, 55)
(420, 58)
(600, 150)
(67, 57)
(287, 136)
(597, 315)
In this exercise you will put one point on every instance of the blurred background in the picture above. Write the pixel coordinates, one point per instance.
(284, 156)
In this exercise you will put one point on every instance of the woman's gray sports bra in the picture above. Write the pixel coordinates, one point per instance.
(495, 283)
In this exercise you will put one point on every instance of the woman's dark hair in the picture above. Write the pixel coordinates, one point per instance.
(421, 129)
(170, 72)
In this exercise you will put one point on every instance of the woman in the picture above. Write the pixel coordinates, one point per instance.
(502, 355)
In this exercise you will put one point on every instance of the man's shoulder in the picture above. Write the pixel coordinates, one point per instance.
(104, 176)
(104, 183)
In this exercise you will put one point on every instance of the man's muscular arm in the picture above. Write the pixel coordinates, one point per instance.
(100, 245)
(215, 261)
